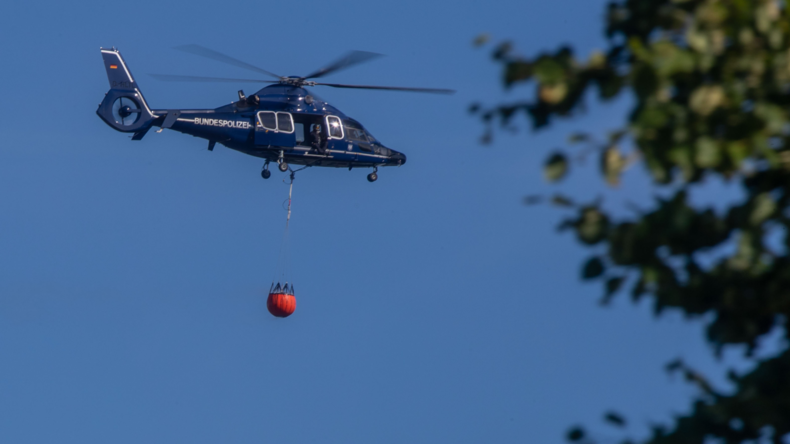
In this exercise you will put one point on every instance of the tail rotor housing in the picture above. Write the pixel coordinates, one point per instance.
(123, 107)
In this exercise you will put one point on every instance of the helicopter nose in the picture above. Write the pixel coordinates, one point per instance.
(398, 158)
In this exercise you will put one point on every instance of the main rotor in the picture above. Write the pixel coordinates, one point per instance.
(350, 59)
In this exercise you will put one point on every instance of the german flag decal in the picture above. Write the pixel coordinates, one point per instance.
(113, 66)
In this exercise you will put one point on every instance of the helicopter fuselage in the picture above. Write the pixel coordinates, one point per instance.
(278, 126)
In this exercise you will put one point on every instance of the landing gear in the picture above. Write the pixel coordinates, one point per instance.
(281, 162)
(373, 176)
(265, 173)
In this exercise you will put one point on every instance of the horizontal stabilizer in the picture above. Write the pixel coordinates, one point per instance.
(172, 117)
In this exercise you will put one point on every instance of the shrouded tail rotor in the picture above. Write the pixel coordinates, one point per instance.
(125, 111)
(123, 107)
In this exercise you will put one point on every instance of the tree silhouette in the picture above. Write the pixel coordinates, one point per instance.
(711, 85)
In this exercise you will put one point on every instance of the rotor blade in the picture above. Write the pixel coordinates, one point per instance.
(220, 57)
(123, 119)
(348, 60)
(172, 78)
(391, 88)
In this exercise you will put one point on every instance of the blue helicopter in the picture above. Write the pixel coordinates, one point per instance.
(281, 122)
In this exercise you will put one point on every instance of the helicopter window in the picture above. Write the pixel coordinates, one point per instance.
(354, 133)
(383, 151)
(371, 138)
(335, 128)
(299, 129)
(285, 122)
(267, 120)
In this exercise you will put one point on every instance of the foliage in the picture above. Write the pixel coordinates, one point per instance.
(710, 81)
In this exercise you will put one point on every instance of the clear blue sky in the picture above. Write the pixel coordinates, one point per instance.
(432, 305)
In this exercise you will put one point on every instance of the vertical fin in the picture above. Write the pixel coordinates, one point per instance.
(117, 72)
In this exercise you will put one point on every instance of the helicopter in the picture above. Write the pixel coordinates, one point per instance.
(280, 123)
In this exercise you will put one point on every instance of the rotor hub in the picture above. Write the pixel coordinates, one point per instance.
(296, 81)
(125, 111)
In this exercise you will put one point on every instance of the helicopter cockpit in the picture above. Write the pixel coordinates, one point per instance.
(362, 137)
(358, 135)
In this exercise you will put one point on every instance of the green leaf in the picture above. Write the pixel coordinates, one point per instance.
(638, 290)
(645, 81)
(674, 365)
(614, 419)
(658, 170)
(610, 84)
(517, 71)
(707, 153)
(705, 99)
(737, 152)
(763, 207)
(593, 268)
(612, 164)
(774, 117)
(652, 117)
(592, 226)
(549, 71)
(616, 136)
(745, 255)
(613, 284)
(532, 199)
(556, 167)
(669, 59)
(575, 434)
(502, 51)
(681, 155)
(481, 39)
(562, 201)
(554, 93)
(578, 138)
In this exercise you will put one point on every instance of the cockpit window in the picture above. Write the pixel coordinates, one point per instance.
(356, 134)
(335, 128)
(371, 138)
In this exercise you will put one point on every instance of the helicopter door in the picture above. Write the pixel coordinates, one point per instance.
(275, 129)
(335, 130)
